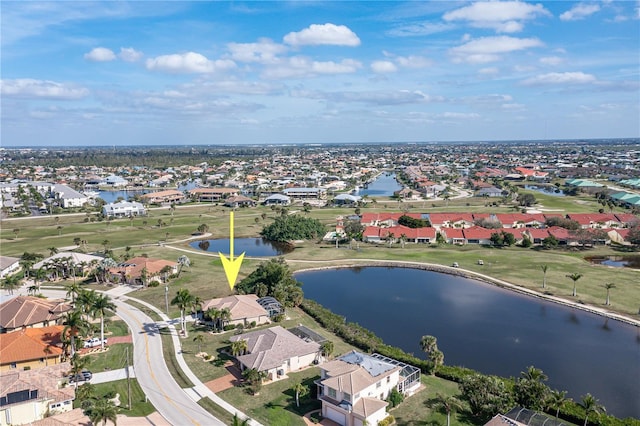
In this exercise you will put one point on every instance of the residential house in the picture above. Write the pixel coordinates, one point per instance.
(519, 416)
(244, 309)
(115, 181)
(353, 388)
(123, 209)
(627, 219)
(69, 197)
(212, 194)
(162, 197)
(619, 236)
(142, 270)
(451, 220)
(453, 235)
(536, 235)
(277, 199)
(346, 199)
(305, 193)
(31, 348)
(595, 220)
(490, 191)
(31, 395)
(411, 235)
(85, 262)
(276, 351)
(236, 201)
(9, 265)
(23, 312)
(521, 220)
(478, 235)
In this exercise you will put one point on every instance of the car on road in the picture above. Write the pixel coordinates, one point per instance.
(83, 376)
(93, 342)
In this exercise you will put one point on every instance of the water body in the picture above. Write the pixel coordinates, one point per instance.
(112, 196)
(489, 329)
(549, 190)
(617, 261)
(250, 246)
(384, 186)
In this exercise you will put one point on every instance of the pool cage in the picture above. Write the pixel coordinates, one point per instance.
(271, 305)
(409, 375)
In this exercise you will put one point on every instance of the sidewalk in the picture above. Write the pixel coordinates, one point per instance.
(110, 376)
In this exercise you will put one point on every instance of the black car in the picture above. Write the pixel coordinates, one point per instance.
(81, 377)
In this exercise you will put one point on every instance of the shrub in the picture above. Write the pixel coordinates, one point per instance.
(387, 421)
(395, 398)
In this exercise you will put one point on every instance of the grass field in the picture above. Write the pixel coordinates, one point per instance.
(140, 407)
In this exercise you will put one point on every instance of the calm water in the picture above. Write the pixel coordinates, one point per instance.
(489, 329)
(384, 186)
(250, 246)
(112, 196)
(617, 261)
(549, 190)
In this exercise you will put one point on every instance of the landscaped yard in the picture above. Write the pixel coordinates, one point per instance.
(140, 407)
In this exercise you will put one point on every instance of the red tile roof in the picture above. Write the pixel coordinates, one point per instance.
(30, 344)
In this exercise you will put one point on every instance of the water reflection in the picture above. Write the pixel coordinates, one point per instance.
(631, 261)
(489, 329)
(249, 246)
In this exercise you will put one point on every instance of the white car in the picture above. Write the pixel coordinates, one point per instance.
(93, 342)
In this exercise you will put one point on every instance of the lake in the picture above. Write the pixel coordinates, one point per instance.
(112, 196)
(546, 189)
(383, 186)
(249, 246)
(489, 329)
(631, 261)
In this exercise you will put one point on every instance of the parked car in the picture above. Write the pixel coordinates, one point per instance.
(455, 264)
(480, 262)
(93, 342)
(83, 376)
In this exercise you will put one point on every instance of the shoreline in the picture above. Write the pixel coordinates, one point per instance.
(475, 276)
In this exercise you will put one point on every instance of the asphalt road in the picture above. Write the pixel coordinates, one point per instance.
(153, 375)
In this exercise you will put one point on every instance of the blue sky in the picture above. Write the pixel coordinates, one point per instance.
(180, 72)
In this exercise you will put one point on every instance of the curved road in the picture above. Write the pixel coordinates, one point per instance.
(153, 375)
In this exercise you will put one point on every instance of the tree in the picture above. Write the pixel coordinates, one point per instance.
(10, 283)
(253, 378)
(550, 242)
(429, 345)
(78, 364)
(448, 404)
(300, 390)
(529, 390)
(526, 200)
(101, 305)
(295, 227)
(238, 422)
(199, 339)
(16, 231)
(557, 400)
(52, 250)
(574, 277)
(213, 314)
(183, 300)
(73, 290)
(103, 410)
(544, 275)
(608, 287)
(486, 395)
(327, 348)
(59, 228)
(182, 262)
(239, 347)
(590, 405)
(278, 279)
(74, 325)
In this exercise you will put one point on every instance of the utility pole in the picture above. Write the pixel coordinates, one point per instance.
(128, 378)
(166, 298)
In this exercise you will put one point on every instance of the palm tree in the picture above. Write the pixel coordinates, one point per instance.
(225, 315)
(403, 239)
(557, 399)
(544, 275)
(575, 277)
(448, 404)
(101, 305)
(199, 339)
(608, 286)
(534, 374)
(78, 364)
(590, 405)
(326, 349)
(52, 250)
(239, 347)
(300, 390)
(74, 324)
(254, 379)
(213, 314)
(428, 344)
(10, 283)
(238, 422)
(182, 262)
(73, 290)
(183, 300)
(102, 411)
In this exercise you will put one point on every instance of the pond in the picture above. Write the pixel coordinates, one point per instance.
(383, 186)
(632, 261)
(546, 189)
(249, 246)
(489, 329)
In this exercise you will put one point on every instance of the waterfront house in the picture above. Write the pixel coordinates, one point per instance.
(212, 194)
(244, 309)
(123, 209)
(353, 388)
(162, 197)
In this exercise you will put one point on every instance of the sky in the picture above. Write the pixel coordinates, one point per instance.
(96, 73)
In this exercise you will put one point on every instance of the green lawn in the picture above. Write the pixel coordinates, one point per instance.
(112, 359)
(140, 407)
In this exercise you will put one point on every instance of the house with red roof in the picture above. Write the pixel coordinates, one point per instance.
(595, 220)
(627, 219)
(451, 220)
(561, 234)
(531, 173)
(521, 220)
(453, 235)
(142, 270)
(478, 235)
(536, 235)
(619, 235)
(31, 348)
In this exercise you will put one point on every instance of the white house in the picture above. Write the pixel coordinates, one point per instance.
(123, 209)
(69, 196)
(353, 388)
(115, 181)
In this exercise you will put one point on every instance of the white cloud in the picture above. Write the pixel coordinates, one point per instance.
(383, 67)
(265, 51)
(129, 54)
(337, 35)
(580, 11)
(458, 115)
(413, 61)
(189, 62)
(303, 67)
(551, 60)
(488, 49)
(398, 97)
(489, 71)
(560, 78)
(421, 29)
(100, 54)
(44, 89)
(501, 16)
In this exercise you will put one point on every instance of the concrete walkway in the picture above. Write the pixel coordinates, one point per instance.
(113, 375)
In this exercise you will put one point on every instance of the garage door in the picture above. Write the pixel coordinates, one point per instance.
(336, 416)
